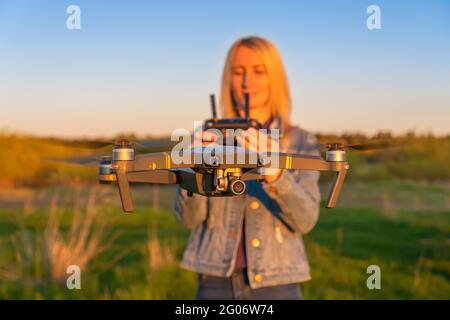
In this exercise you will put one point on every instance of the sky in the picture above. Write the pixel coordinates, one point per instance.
(148, 67)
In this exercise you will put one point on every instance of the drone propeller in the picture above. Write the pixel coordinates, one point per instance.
(159, 144)
(88, 160)
(376, 145)
(156, 144)
(372, 146)
(82, 144)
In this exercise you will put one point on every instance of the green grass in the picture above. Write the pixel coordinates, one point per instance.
(410, 246)
(414, 257)
(394, 211)
(128, 277)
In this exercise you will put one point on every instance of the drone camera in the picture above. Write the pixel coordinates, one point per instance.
(237, 187)
(229, 181)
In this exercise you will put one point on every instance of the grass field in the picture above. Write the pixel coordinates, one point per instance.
(394, 212)
(404, 228)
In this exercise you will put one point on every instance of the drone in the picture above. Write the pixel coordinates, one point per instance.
(212, 176)
(223, 172)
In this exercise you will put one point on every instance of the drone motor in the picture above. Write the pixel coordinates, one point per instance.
(105, 172)
(336, 153)
(123, 151)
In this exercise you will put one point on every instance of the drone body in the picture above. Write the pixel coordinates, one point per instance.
(214, 171)
(214, 176)
(219, 171)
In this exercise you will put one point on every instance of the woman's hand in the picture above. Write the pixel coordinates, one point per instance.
(252, 140)
(257, 141)
(205, 137)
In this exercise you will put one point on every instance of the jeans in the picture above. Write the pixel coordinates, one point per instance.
(237, 287)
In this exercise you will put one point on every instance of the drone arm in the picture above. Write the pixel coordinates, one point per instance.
(190, 180)
(124, 190)
(161, 161)
(252, 175)
(302, 162)
(336, 188)
(306, 162)
(124, 178)
(156, 176)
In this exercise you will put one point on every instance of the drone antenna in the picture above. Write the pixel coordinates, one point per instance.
(247, 106)
(213, 106)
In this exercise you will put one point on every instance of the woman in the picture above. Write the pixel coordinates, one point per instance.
(250, 246)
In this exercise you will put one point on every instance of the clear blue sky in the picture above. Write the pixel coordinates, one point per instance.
(148, 66)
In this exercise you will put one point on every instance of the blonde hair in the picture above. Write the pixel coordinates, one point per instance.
(280, 100)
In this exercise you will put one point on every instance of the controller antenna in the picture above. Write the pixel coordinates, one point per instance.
(247, 106)
(213, 106)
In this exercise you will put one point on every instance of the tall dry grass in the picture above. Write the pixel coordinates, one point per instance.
(388, 207)
(159, 255)
(40, 256)
(83, 243)
(339, 239)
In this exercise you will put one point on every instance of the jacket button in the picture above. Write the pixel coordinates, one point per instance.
(256, 243)
(254, 205)
(258, 277)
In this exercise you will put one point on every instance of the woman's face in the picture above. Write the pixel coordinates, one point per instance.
(249, 75)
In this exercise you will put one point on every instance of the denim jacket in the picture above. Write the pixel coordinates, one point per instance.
(276, 215)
